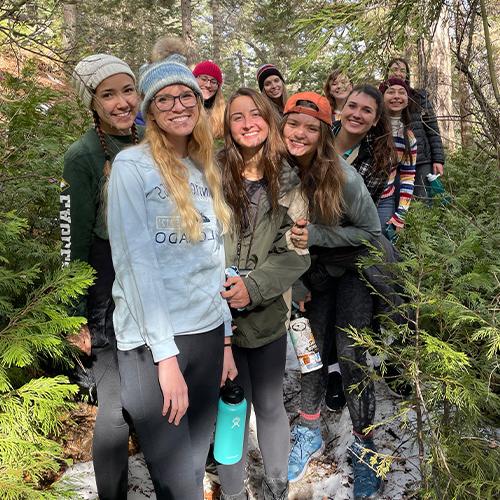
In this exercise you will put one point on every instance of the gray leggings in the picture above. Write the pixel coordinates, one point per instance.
(347, 302)
(175, 455)
(111, 431)
(260, 373)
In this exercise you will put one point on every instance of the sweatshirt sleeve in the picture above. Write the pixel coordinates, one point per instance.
(362, 219)
(77, 214)
(281, 268)
(135, 261)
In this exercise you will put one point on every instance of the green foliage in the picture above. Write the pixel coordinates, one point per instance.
(35, 292)
(362, 34)
(450, 352)
(37, 124)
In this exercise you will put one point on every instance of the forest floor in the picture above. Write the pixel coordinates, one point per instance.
(329, 477)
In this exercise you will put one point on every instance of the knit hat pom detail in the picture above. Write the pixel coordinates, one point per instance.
(170, 71)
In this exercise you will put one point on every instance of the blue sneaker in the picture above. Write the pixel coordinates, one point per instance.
(306, 444)
(367, 486)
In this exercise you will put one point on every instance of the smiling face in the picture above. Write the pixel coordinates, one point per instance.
(180, 120)
(359, 114)
(208, 85)
(248, 128)
(395, 99)
(397, 70)
(273, 86)
(301, 133)
(340, 87)
(116, 102)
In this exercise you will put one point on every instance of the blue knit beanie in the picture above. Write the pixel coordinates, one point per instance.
(170, 71)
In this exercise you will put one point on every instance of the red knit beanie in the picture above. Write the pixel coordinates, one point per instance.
(394, 81)
(208, 68)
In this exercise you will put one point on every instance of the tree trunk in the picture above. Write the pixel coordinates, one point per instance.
(241, 69)
(489, 51)
(69, 28)
(466, 116)
(216, 30)
(421, 73)
(439, 82)
(187, 28)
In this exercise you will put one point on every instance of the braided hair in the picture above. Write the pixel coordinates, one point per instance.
(102, 140)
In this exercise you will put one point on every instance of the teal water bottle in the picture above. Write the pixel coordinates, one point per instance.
(230, 426)
(437, 189)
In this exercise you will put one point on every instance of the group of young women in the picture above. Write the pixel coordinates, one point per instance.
(160, 217)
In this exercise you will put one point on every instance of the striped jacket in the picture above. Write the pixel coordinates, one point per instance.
(406, 169)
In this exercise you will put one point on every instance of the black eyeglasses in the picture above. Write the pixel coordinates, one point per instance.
(165, 102)
(206, 79)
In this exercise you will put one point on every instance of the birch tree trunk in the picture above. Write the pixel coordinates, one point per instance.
(439, 82)
(69, 28)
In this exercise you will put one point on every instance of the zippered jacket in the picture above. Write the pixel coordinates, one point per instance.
(273, 262)
(426, 129)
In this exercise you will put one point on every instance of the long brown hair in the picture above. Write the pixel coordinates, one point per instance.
(232, 163)
(323, 181)
(384, 152)
(278, 107)
(175, 177)
(326, 87)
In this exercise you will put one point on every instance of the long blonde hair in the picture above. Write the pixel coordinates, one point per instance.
(216, 114)
(175, 176)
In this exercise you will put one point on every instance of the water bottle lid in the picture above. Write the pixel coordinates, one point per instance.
(231, 393)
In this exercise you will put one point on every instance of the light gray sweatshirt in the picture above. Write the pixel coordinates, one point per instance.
(165, 285)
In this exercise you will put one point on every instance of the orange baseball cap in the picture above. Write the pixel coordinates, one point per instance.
(324, 112)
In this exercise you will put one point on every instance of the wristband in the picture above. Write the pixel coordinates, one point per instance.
(227, 345)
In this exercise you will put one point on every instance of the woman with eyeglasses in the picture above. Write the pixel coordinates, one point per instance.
(209, 77)
(166, 220)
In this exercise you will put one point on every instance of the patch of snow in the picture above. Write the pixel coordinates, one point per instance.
(328, 478)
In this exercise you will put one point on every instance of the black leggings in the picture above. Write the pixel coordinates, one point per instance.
(111, 431)
(347, 302)
(260, 373)
(175, 455)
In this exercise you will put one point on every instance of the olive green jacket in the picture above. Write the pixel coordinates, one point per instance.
(273, 262)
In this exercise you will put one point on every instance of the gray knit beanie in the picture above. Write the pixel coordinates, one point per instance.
(170, 71)
(94, 69)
